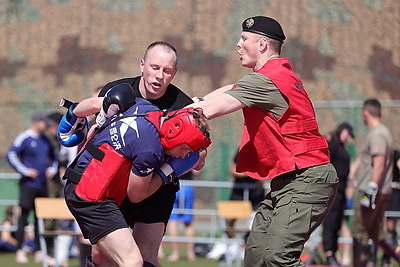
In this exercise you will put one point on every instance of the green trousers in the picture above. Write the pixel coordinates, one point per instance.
(296, 205)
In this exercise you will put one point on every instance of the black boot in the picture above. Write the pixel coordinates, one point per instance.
(332, 261)
(392, 242)
(89, 262)
(373, 250)
(85, 250)
(389, 249)
(360, 253)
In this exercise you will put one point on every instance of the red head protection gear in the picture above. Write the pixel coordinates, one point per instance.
(185, 126)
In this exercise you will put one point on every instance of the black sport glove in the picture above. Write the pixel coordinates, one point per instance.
(117, 100)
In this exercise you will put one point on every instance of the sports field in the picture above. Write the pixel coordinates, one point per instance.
(8, 260)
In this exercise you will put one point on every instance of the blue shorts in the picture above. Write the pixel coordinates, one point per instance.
(184, 200)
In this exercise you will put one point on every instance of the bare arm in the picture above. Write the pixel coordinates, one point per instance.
(353, 170)
(89, 106)
(218, 103)
(140, 187)
(6, 235)
(218, 91)
(398, 163)
(233, 172)
(378, 170)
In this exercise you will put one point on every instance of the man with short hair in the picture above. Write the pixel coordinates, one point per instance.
(33, 156)
(373, 186)
(280, 142)
(131, 155)
(158, 67)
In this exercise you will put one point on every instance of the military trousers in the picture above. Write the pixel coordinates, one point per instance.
(296, 205)
(369, 223)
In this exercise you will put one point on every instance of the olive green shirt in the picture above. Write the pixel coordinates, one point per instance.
(379, 141)
(257, 90)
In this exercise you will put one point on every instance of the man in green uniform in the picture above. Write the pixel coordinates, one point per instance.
(281, 142)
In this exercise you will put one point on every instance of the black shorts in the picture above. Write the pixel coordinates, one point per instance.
(156, 208)
(27, 195)
(95, 218)
(256, 195)
(394, 202)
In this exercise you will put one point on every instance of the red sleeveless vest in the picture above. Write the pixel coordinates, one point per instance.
(270, 146)
(107, 178)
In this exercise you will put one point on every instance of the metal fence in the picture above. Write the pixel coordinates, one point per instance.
(207, 223)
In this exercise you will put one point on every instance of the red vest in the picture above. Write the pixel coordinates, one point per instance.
(107, 178)
(270, 146)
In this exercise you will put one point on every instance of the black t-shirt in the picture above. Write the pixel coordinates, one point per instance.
(157, 207)
(340, 159)
(396, 171)
(173, 98)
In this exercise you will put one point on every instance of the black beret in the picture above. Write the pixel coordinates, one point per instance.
(265, 26)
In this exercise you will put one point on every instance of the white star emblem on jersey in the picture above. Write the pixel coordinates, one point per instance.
(129, 122)
(148, 171)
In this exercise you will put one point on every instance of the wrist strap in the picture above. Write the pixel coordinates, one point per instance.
(164, 171)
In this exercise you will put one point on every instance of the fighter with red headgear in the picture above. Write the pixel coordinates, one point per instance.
(127, 156)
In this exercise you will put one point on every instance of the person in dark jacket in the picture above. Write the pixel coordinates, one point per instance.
(340, 159)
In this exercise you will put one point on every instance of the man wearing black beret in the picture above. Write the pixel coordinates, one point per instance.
(281, 142)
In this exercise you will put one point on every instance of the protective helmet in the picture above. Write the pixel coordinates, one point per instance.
(185, 126)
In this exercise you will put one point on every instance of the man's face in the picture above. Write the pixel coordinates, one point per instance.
(40, 126)
(158, 70)
(365, 115)
(180, 151)
(249, 44)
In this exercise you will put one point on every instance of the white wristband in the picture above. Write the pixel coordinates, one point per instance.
(101, 118)
(166, 169)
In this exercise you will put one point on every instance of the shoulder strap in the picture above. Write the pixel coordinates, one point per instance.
(154, 117)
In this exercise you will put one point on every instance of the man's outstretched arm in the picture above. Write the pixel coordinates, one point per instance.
(218, 103)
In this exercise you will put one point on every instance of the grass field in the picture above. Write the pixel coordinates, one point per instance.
(8, 260)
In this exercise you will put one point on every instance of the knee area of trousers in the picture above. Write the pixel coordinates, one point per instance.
(272, 259)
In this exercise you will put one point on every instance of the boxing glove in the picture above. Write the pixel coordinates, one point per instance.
(72, 130)
(117, 100)
(175, 167)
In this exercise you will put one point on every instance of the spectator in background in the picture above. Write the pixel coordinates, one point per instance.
(244, 188)
(372, 191)
(394, 205)
(55, 187)
(7, 237)
(184, 200)
(54, 184)
(340, 159)
(241, 184)
(33, 156)
(65, 155)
